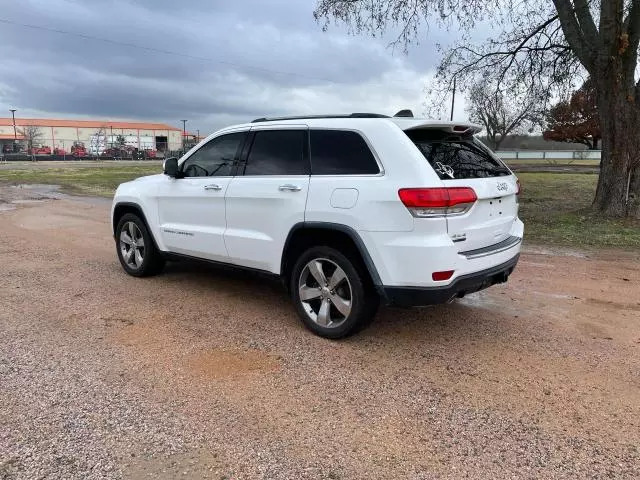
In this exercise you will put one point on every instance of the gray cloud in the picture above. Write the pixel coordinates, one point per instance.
(227, 70)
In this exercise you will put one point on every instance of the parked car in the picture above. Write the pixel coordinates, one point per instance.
(348, 211)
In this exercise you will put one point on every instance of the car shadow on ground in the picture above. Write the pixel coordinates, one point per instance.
(474, 317)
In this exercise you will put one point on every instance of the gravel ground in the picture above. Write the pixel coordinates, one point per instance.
(200, 373)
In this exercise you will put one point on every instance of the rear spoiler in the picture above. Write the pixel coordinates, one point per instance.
(459, 128)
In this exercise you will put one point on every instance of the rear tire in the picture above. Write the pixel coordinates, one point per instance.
(137, 252)
(333, 295)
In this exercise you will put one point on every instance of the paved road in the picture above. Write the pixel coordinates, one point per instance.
(198, 373)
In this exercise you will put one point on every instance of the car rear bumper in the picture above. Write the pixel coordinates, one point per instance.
(408, 259)
(473, 282)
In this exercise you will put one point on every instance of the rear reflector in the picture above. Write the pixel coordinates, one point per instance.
(437, 202)
(519, 186)
(440, 276)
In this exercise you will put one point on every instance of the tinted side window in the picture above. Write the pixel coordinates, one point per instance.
(215, 158)
(339, 152)
(278, 152)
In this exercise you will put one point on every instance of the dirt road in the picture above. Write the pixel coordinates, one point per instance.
(199, 373)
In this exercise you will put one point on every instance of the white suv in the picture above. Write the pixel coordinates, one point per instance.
(348, 210)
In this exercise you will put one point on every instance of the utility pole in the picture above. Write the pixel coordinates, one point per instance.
(453, 98)
(198, 138)
(184, 132)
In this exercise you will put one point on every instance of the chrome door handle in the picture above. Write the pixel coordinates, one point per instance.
(289, 188)
(212, 187)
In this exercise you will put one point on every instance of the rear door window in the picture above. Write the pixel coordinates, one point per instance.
(455, 157)
(278, 152)
(341, 152)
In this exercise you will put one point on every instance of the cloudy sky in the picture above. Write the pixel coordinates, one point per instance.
(236, 60)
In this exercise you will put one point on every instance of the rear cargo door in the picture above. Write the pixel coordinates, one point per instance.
(491, 218)
(463, 161)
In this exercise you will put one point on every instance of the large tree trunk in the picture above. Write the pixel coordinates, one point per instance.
(620, 122)
(634, 193)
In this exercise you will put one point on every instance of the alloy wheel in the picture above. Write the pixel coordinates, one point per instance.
(132, 245)
(325, 293)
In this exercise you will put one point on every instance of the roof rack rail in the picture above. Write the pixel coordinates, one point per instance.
(307, 117)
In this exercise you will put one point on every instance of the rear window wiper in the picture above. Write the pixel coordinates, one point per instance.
(503, 170)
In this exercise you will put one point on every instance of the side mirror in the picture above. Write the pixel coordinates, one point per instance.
(170, 167)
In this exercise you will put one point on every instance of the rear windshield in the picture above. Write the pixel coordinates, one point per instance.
(455, 156)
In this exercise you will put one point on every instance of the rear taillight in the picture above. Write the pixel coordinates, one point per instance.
(437, 202)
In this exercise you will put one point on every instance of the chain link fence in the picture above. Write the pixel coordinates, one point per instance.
(107, 149)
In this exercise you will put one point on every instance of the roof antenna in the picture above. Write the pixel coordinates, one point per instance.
(404, 113)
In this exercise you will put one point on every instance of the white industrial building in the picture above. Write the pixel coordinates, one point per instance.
(96, 135)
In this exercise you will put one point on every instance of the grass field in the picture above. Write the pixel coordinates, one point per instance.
(554, 207)
(555, 210)
(101, 181)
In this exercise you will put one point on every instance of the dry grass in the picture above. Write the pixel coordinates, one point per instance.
(556, 210)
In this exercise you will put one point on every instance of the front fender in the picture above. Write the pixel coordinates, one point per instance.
(143, 196)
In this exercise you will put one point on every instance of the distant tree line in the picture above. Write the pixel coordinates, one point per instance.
(532, 142)
(571, 124)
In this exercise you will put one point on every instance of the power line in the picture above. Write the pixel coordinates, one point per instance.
(159, 50)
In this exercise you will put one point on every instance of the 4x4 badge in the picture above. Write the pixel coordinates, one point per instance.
(503, 187)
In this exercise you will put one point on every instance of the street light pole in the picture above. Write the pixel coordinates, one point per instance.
(15, 132)
(198, 137)
(184, 132)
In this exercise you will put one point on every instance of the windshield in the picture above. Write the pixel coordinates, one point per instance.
(455, 156)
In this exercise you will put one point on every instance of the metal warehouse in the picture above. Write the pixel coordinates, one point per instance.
(95, 137)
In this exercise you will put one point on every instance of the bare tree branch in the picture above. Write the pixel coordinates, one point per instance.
(502, 114)
(534, 45)
(574, 34)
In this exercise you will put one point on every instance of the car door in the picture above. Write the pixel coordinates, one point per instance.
(268, 197)
(191, 208)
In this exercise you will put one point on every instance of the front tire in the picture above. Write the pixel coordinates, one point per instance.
(332, 294)
(137, 252)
